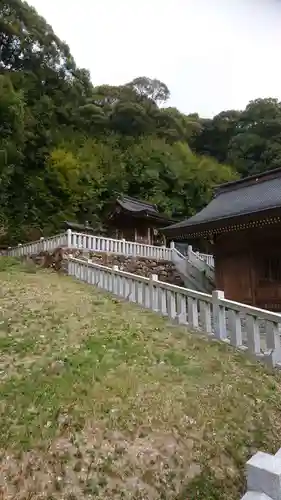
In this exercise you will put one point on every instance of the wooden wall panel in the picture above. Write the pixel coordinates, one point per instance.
(235, 277)
(241, 260)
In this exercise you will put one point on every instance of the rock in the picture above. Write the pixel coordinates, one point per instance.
(141, 266)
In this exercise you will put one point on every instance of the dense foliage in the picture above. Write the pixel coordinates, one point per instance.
(67, 148)
(249, 140)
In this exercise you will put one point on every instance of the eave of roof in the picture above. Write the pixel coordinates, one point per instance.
(247, 197)
(134, 205)
(78, 227)
(141, 209)
(247, 221)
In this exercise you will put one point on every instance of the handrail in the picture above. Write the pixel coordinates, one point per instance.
(131, 248)
(240, 325)
(44, 244)
(89, 242)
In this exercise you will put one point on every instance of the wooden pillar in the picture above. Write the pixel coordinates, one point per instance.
(149, 235)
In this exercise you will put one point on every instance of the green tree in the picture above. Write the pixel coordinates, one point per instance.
(67, 148)
(256, 143)
(214, 135)
(147, 88)
(249, 140)
(11, 143)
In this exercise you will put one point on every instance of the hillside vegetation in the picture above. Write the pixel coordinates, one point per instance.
(100, 399)
(68, 147)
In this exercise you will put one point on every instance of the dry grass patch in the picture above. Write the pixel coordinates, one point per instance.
(102, 400)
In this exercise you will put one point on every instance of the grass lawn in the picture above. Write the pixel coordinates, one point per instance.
(102, 400)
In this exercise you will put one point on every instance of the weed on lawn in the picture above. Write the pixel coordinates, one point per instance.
(102, 400)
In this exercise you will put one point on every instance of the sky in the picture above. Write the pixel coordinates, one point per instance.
(213, 55)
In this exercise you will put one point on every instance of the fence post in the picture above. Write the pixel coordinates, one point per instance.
(219, 315)
(189, 252)
(273, 342)
(20, 249)
(68, 232)
(172, 245)
(124, 246)
(42, 243)
(153, 293)
(263, 477)
(115, 278)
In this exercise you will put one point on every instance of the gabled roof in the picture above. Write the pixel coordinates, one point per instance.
(248, 196)
(138, 208)
(134, 205)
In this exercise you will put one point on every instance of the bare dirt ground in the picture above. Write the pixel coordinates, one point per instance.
(99, 399)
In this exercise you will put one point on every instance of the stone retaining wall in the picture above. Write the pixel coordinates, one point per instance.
(165, 271)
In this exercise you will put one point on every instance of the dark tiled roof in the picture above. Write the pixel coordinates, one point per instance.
(245, 197)
(78, 227)
(134, 205)
(137, 207)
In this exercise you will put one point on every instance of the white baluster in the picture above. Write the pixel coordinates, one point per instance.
(126, 288)
(219, 315)
(153, 293)
(171, 304)
(115, 281)
(162, 305)
(42, 244)
(273, 343)
(75, 240)
(133, 292)
(234, 324)
(100, 278)
(139, 292)
(205, 316)
(107, 281)
(181, 309)
(69, 238)
(253, 334)
(123, 287)
(192, 315)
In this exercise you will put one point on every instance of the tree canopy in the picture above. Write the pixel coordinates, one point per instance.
(68, 147)
(249, 140)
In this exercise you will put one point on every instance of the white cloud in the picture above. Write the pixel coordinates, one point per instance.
(212, 54)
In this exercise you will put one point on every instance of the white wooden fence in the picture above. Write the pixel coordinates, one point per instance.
(187, 251)
(123, 247)
(35, 247)
(245, 327)
(71, 239)
(209, 259)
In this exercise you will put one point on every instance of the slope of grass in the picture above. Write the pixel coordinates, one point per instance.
(102, 400)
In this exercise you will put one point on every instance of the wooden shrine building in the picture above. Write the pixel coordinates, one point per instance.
(243, 223)
(136, 220)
